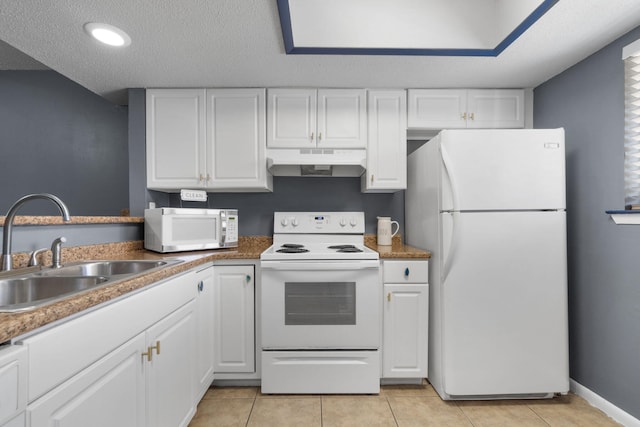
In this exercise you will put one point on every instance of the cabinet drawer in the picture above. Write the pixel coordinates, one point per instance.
(405, 271)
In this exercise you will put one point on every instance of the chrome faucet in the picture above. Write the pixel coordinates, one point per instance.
(56, 252)
(7, 262)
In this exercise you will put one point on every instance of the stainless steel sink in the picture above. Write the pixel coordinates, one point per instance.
(23, 293)
(104, 268)
(19, 292)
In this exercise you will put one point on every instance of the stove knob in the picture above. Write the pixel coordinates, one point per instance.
(353, 222)
(294, 222)
(284, 222)
(343, 222)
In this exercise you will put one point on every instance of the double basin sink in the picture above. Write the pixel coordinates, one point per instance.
(38, 287)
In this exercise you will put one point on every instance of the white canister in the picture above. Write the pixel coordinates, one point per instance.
(384, 230)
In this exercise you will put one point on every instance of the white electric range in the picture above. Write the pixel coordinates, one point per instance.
(321, 296)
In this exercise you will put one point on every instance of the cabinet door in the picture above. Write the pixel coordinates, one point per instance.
(236, 140)
(175, 138)
(170, 377)
(291, 118)
(405, 331)
(437, 108)
(342, 118)
(204, 331)
(13, 381)
(234, 319)
(500, 108)
(111, 392)
(387, 146)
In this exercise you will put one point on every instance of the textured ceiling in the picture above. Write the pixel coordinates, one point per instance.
(238, 43)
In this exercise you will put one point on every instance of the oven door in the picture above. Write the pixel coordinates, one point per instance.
(320, 305)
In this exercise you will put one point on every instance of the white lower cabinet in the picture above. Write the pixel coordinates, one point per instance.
(13, 384)
(204, 331)
(146, 381)
(406, 319)
(234, 323)
(111, 392)
(130, 363)
(170, 357)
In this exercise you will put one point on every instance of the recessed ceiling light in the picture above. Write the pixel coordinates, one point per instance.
(107, 34)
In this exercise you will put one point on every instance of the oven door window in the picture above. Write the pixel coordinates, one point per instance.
(320, 303)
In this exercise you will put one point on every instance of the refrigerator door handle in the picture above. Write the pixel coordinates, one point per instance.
(449, 256)
(450, 177)
(455, 214)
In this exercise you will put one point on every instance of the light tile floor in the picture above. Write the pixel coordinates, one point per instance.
(404, 405)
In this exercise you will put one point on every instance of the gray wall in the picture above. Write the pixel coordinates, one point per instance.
(604, 268)
(60, 138)
(255, 210)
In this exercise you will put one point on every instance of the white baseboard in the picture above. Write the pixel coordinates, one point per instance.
(605, 406)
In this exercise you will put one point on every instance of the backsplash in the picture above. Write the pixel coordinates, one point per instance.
(299, 194)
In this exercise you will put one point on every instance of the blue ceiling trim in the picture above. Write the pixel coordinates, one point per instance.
(387, 51)
(524, 25)
(285, 23)
(290, 48)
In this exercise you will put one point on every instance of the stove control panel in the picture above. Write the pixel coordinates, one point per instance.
(318, 222)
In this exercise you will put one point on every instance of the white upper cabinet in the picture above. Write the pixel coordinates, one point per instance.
(387, 145)
(176, 142)
(236, 132)
(499, 108)
(207, 139)
(462, 108)
(322, 118)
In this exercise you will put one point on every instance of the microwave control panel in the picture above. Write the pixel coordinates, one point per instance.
(230, 224)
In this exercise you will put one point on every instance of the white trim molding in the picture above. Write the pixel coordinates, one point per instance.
(604, 405)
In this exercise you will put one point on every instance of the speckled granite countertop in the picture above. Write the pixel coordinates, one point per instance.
(16, 324)
(249, 248)
(397, 249)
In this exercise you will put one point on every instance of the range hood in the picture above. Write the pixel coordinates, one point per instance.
(316, 162)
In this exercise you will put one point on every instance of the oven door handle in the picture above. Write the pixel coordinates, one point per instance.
(322, 266)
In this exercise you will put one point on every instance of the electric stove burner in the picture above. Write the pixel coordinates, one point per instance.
(345, 248)
(292, 248)
(353, 249)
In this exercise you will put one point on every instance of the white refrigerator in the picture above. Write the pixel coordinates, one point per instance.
(490, 206)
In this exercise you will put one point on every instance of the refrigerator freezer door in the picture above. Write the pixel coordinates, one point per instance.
(504, 304)
(516, 169)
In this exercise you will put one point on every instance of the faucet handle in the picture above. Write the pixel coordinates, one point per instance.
(33, 258)
(56, 252)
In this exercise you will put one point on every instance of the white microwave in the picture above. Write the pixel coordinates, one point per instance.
(189, 229)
